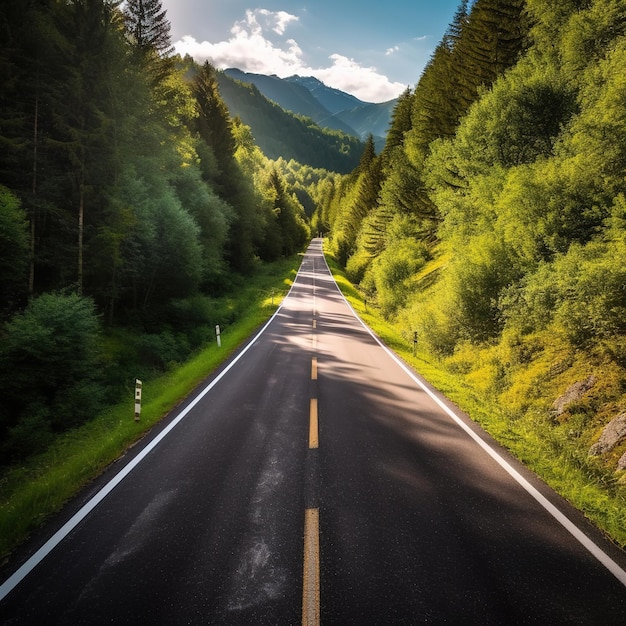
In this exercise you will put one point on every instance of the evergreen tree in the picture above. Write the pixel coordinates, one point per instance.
(370, 169)
(148, 31)
(82, 143)
(490, 42)
(363, 199)
(148, 26)
(14, 250)
(401, 122)
(29, 40)
(50, 372)
(437, 103)
(455, 29)
(214, 123)
(215, 129)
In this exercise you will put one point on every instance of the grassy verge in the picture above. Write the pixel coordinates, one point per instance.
(530, 438)
(32, 491)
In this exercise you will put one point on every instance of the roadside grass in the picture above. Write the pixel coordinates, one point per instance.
(33, 490)
(529, 435)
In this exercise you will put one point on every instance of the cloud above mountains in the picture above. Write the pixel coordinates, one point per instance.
(258, 44)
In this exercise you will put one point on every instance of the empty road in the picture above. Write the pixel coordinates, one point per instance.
(316, 479)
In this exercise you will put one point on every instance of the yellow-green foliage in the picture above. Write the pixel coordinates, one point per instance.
(509, 386)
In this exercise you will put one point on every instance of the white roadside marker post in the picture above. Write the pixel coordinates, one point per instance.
(219, 338)
(138, 385)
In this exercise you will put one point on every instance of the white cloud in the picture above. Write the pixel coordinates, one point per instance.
(282, 21)
(254, 47)
(365, 83)
(390, 51)
(262, 19)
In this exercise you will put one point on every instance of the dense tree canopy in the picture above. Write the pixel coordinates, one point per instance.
(498, 233)
(480, 44)
(125, 196)
(507, 159)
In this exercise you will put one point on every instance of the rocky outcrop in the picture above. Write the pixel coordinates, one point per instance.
(573, 394)
(612, 434)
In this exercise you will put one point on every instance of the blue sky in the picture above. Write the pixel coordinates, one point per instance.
(372, 49)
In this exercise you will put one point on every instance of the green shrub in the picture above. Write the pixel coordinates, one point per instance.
(393, 269)
(50, 367)
(582, 293)
(357, 266)
(162, 350)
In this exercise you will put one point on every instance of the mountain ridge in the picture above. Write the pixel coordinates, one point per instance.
(281, 133)
(334, 100)
(326, 106)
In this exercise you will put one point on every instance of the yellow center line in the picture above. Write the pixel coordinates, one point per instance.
(311, 572)
(313, 427)
(311, 577)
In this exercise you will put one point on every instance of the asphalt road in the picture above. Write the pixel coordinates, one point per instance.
(314, 478)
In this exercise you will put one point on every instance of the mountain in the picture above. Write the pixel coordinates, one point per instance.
(290, 96)
(280, 133)
(293, 97)
(370, 118)
(333, 100)
(328, 107)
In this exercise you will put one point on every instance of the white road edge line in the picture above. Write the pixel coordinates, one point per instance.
(578, 534)
(16, 578)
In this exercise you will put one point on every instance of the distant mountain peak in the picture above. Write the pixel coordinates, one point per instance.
(327, 106)
(338, 100)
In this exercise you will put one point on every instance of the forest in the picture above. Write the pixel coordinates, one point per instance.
(130, 203)
(493, 223)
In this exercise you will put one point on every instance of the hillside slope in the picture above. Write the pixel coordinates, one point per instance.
(294, 97)
(282, 134)
(326, 106)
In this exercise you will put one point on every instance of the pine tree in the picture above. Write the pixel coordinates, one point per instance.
(489, 43)
(13, 252)
(368, 156)
(401, 122)
(148, 31)
(459, 20)
(29, 39)
(214, 123)
(370, 180)
(215, 129)
(477, 47)
(148, 26)
(82, 143)
(286, 210)
(363, 200)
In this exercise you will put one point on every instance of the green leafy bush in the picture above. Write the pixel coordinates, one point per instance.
(50, 370)
(393, 269)
(582, 293)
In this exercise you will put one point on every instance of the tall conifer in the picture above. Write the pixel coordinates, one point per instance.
(148, 26)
